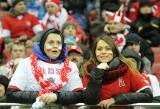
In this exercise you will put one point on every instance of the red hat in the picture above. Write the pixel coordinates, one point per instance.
(54, 2)
(75, 48)
(117, 17)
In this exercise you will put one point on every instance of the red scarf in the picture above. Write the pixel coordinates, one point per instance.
(47, 86)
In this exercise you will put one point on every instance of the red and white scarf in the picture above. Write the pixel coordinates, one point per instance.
(47, 86)
(57, 20)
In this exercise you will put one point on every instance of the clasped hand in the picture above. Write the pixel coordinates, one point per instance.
(103, 66)
(106, 103)
(48, 98)
(44, 99)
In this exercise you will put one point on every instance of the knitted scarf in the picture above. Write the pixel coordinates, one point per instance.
(47, 86)
(111, 75)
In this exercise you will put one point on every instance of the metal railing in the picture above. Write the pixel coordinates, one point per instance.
(83, 106)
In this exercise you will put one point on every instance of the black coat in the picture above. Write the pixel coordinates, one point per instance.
(143, 96)
(4, 100)
(89, 96)
(150, 29)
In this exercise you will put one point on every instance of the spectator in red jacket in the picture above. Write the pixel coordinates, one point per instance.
(20, 23)
(122, 83)
(152, 79)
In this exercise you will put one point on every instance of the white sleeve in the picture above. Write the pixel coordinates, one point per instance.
(155, 85)
(37, 28)
(44, 20)
(19, 78)
(6, 33)
(74, 82)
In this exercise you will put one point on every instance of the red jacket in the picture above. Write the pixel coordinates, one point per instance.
(118, 81)
(127, 83)
(26, 25)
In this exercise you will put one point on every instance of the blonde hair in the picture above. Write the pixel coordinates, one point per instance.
(129, 63)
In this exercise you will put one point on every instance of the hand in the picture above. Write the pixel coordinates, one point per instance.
(37, 104)
(106, 103)
(106, 28)
(48, 98)
(103, 66)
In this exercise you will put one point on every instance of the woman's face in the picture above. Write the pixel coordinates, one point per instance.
(53, 46)
(103, 52)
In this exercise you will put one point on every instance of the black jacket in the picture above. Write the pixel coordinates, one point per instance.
(4, 100)
(143, 96)
(89, 96)
(156, 99)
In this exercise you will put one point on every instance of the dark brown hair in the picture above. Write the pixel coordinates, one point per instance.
(93, 60)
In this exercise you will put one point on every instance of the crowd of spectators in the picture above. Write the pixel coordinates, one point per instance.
(79, 30)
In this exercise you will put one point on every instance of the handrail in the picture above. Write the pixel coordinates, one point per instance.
(82, 104)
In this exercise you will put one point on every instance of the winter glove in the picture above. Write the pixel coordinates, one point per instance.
(114, 63)
(103, 66)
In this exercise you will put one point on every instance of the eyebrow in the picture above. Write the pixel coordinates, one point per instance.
(104, 46)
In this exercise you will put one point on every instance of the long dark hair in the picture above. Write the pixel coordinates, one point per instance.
(93, 60)
(2, 47)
